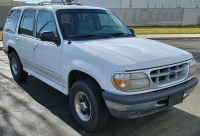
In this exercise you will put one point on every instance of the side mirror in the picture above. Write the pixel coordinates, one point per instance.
(132, 31)
(49, 36)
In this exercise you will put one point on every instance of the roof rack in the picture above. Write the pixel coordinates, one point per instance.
(52, 3)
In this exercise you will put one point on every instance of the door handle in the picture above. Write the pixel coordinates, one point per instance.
(17, 39)
(35, 45)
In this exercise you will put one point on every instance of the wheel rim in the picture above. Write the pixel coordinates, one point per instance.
(14, 66)
(82, 106)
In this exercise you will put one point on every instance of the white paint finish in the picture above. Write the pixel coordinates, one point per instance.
(136, 53)
(99, 66)
(47, 59)
(25, 49)
(98, 58)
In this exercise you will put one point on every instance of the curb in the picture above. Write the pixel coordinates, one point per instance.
(175, 38)
(1, 46)
(169, 38)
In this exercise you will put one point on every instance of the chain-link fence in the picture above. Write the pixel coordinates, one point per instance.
(159, 17)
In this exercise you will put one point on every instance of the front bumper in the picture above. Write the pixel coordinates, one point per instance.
(143, 104)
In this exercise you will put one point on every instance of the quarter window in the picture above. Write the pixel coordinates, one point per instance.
(12, 20)
(26, 26)
(45, 22)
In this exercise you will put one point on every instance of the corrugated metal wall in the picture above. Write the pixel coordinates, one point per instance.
(4, 11)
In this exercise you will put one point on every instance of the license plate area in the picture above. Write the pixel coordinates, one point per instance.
(175, 99)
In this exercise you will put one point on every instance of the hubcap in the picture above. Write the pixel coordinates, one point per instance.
(14, 66)
(82, 106)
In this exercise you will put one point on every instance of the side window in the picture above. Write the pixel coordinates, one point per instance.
(12, 20)
(26, 26)
(45, 22)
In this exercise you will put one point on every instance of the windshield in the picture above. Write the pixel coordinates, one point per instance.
(79, 23)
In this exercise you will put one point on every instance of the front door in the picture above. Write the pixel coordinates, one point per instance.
(47, 55)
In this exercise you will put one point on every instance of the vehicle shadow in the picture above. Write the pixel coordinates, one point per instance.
(13, 98)
(168, 122)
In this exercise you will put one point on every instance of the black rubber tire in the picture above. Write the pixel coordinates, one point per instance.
(21, 74)
(99, 112)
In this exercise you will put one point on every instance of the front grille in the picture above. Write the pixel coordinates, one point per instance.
(169, 75)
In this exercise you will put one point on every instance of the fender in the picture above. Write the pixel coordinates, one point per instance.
(87, 68)
(10, 43)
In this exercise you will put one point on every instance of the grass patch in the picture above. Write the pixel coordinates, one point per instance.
(0, 34)
(166, 29)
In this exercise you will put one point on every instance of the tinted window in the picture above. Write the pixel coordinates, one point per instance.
(89, 23)
(68, 24)
(45, 22)
(12, 20)
(106, 20)
(26, 26)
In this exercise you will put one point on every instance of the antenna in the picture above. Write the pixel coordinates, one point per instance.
(70, 2)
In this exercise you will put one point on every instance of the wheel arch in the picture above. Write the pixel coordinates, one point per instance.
(76, 75)
(10, 49)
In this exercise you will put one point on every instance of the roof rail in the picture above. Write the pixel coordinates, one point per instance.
(50, 3)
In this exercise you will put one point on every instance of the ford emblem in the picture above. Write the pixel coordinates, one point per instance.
(172, 73)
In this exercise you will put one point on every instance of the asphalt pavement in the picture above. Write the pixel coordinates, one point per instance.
(35, 108)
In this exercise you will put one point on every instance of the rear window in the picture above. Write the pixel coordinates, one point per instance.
(12, 20)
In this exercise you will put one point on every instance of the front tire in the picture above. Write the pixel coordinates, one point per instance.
(87, 105)
(16, 68)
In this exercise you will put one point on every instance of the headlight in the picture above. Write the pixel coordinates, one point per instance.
(192, 68)
(130, 81)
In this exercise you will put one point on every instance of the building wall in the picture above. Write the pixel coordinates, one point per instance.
(139, 14)
(141, 3)
(4, 10)
(158, 16)
(5, 7)
(10, 2)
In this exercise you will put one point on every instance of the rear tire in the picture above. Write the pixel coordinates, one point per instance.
(87, 105)
(16, 68)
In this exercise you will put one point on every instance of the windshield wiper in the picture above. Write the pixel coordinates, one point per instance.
(121, 34)
(80, 36)
(106, 36)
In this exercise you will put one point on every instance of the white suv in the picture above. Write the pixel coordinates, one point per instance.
(90, 55)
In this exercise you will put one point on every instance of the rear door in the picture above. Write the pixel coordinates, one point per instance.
(25, 39)
(47, 55)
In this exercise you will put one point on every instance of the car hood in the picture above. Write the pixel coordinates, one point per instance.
(136, 53)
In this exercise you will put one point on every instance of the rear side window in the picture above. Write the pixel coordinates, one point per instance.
(26, 26)
(12, 20)
(45, 22)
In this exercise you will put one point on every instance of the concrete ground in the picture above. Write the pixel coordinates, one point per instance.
(1, 45)
(35, 108)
